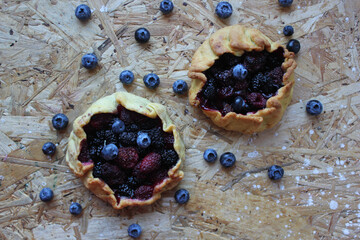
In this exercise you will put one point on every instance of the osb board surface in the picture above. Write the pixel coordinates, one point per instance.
(40, 74)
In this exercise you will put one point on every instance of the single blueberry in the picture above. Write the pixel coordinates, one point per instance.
(83, 12)
(46, 194)
(118, 126)
(223, 10)
(110, 152)
(227, 159)
(166, 6)
(293, 46)
(275, 172)
(60, 121)
(288, 30)
(142, 35)
(75, 208)
(89, 61)
(210, 155)
(285, 3)
(180, 87)
(314, 107)
(239, 105)
(182, 196)
(134, 230)
(151, 80)
(126, 77)
(240, 72)
(49, 148)
(143, 140)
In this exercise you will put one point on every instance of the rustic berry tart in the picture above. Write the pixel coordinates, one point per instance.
(241, 79)
(126, 150)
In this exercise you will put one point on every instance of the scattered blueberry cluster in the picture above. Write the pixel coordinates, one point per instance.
(228, 159)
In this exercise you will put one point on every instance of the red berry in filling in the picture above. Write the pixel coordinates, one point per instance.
(127, 157)
(150, 163)
(144, 192)
(257, 100)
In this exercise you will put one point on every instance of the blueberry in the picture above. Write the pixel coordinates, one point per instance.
(285, 3)
(227, 159)
(143, 140)
(60, 121)
(240, 72)
(180, 86)
(275, 172)
(142, 35)
(223, 10)
(151, 80)
(46, 194)
(118, 126)
(126, 77)
(75, 208)
(314, 107)
(288, 31)
(110, 152)
(293, 46)
(49, 148)
(134, 230)
(210, 155)
(166, 6)
(89, 61)
(83, 12)
(182, 196)
(239, 105)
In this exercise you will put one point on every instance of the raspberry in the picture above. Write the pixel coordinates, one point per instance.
(168, 140)
(127, 158)
(125, 190)
(144, 192)
(128, 138)
(256, 100)
(150, 163)
(169, 158)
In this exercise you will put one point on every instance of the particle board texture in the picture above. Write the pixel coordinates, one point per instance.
(41, 45)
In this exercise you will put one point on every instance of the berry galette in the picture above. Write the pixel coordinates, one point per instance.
(126, 150)
(241, 79)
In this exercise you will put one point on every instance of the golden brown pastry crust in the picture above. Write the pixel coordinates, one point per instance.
(236, 40)
(109, 105)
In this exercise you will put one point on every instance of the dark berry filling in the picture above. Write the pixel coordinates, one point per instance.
(136, 170)
(254, 76)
